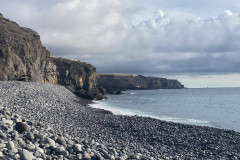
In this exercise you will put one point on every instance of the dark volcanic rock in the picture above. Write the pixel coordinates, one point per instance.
(24, 58)
(113, 83)
(21, 127)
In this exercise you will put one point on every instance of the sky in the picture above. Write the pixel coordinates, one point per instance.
(194, 41)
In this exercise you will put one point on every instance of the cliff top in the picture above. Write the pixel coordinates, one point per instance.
(118, 74)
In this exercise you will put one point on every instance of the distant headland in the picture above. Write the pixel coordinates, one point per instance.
(114, 83)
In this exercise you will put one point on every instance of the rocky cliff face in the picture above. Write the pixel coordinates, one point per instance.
(163, 83)
(24, 58)
(78, 77)
(118, 82)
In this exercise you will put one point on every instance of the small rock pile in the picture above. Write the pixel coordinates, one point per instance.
(26, 140)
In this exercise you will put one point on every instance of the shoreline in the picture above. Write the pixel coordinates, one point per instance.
(97, 104)
(69, 115)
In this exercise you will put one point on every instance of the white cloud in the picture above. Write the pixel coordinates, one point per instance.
(105, 34)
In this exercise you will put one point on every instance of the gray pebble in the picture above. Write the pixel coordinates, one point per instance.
(2, 144)
(61, 141)
(38, 149)
(86, 156)
(6, 121)
(30, 146)
(10, 145)
(30, 136)
(2, 135)
(51, 142)
(26, 155)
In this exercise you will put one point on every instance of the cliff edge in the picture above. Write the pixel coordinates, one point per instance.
(114, 83)
(24, 58)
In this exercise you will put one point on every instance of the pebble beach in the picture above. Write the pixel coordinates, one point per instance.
(45, 121)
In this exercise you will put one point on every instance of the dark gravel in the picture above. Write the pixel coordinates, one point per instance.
(69, 115)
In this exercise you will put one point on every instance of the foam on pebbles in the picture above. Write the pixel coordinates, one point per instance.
(44, 121)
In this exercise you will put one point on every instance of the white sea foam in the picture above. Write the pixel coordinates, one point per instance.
(131, 112)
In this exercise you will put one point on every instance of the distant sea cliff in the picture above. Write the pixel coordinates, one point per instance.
(114, 83)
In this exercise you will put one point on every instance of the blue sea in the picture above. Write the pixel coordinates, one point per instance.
(215, 107)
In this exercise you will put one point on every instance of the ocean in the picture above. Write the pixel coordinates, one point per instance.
(215, 107)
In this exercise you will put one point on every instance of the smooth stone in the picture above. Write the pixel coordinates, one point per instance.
(61, 141)
(15, 135)
(21, 143)
(40, 124)
(86, 156)
(105, 153)
(2, 144)
(59, 149)
(91, 142)
(26, 155)
(48, 151)
(70, 142)
(51, 142)
(37, 154)
(10, 145)
(38, 149)
(77, 148)
(37, 135)
(16, 156)
(8, 122)
(8, 113)
(89, 150)
(2, 135)
(30, 136)
(124, 157)
(64, 153)
(30, 146)
(22, 127)
(79, 156)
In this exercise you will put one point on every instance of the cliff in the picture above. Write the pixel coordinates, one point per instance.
(119, 82)
(24, 58)
(78, 77)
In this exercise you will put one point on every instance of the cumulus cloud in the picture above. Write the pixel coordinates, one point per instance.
(105, 34)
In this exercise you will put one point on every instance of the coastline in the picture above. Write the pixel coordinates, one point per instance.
(100, 104)
(130, 135)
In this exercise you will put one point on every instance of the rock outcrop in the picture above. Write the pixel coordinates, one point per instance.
(113, 83)
(24, 58)
(78, 77)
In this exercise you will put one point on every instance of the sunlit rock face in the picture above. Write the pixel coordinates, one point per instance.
(24, 58)
(79, 77)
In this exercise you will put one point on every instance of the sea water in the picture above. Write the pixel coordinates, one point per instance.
(215, 107)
